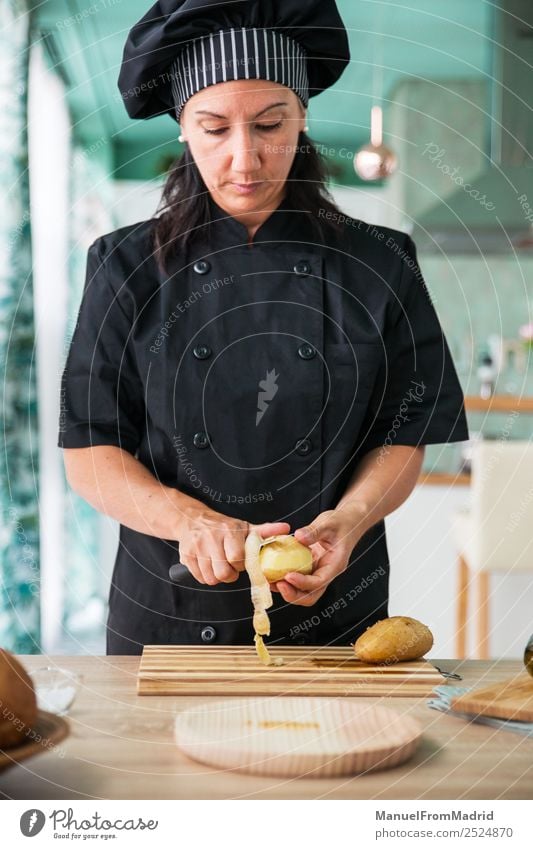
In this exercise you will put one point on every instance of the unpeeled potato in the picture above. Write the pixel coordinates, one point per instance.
(282, 554)
(18, 703)
(394, 639)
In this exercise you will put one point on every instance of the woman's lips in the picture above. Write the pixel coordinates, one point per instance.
(246, 188)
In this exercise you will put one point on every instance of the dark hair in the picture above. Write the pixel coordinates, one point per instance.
(184, 208)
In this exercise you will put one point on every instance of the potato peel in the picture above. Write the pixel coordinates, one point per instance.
(264, 655)
(261, 597)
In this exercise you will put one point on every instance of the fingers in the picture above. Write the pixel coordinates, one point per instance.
(190, 561)
(320, 578)
(217, 569)
(234, 551)
(207, 570)
(200, 568)
(221, 560)
(224, 572)
(294, 596)
(307, 589)
(271, 529)
(318, 552)
(324, 528)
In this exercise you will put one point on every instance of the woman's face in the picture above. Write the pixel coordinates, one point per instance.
(243, 136)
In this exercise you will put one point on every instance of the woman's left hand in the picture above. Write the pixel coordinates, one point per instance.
(331, 537)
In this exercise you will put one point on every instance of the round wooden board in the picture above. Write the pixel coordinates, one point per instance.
(311, 737)
(47, 732)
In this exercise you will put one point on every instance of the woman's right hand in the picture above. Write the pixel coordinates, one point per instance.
(212, 544)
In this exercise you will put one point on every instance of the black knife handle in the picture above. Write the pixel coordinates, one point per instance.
(178, 572)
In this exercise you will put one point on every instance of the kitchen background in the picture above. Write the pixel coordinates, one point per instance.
(454, 81)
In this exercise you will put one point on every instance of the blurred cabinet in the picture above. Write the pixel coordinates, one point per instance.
(517, 405)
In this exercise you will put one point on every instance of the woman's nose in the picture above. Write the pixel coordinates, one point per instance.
(245, 155)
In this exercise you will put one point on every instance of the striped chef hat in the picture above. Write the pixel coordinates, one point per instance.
(182, 46)
(239, 54)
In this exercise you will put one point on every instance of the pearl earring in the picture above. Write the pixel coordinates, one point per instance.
(181, 138)
(306, 128)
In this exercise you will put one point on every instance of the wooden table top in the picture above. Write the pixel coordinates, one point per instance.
(121, 747)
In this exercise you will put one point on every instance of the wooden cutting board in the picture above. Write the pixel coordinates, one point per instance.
(315, 738)
(511, 699)
(308, 671)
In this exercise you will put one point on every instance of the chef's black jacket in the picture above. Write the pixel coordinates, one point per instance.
(254, 378)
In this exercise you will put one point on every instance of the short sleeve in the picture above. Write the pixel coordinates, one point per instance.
(101, 399)
(417, 399)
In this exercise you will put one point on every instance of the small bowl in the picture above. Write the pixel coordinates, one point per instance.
(56, 688)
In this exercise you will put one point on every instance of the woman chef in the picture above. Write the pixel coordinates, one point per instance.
(250, 357)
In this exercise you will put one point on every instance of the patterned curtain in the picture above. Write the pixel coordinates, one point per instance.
(19, 470)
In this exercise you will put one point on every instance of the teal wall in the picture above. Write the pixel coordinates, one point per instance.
(475, 298)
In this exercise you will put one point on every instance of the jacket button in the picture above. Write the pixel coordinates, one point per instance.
(200, 439)
(306, 351)
(201, 266)
(303, 446)
(302, 267)
(202, 352)
(208, 634)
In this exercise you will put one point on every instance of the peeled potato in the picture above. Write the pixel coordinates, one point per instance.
(394, 639)
(18, 704)
(282, 554)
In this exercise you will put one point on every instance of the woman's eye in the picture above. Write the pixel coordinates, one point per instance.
(267, 128)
